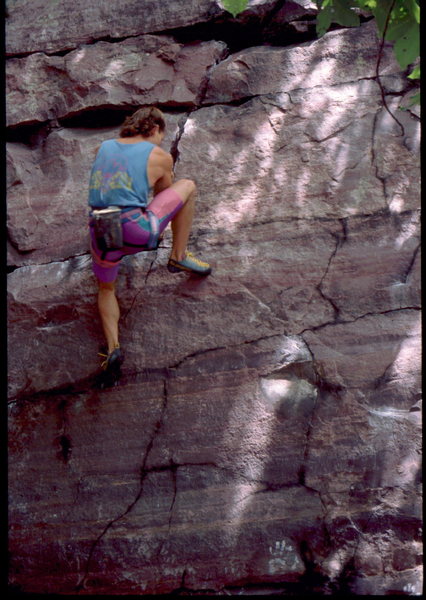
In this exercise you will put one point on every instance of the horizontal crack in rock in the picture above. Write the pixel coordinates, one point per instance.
(346, 322)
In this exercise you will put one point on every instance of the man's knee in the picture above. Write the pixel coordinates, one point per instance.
(186, 188)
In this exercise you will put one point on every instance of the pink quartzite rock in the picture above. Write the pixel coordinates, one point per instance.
(59, 26)
(303, 154)
(142, 70)
(183, 494)
(338, 57)
(387, 272)
(265, 435)
(48, 186)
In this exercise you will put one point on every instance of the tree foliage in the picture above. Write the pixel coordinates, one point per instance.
(398, 22)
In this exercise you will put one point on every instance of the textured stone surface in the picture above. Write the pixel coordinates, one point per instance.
(59, 26)
(47, 186)
(302, 155)
(337, 57)
(136, 71)
(265, 436)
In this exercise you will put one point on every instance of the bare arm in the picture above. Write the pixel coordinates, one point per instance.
(162, 167)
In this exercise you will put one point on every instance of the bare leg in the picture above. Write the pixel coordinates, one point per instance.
(182, 222)
(109, 312)
(181, 226)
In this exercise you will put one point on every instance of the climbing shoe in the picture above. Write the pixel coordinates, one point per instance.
(189, 264)
(113, 361)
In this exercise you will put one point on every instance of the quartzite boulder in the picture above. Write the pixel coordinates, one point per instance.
(48, 186)
(59, 26)
(338, 57)
(309, 153)
(142, 70)
(265, 434)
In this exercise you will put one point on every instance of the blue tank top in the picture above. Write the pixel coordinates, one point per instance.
(119, 175)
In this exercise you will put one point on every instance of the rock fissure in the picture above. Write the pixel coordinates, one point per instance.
(143, 473)
(204, 84)
(245, 32)
(61, 53)
(410, 266)
(260, 222)
(79, 387)
(319, 287)
(64, 440)
(378, 76)
(174, 147)
(150, 268)
(374, 159)
(347, 322)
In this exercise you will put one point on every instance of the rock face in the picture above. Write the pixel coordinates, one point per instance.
(265, 434)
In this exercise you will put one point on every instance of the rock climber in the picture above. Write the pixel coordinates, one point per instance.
(125, 171)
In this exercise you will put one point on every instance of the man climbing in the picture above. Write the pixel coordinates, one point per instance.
(123, 174)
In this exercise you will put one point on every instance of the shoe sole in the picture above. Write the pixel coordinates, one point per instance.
(183, 269)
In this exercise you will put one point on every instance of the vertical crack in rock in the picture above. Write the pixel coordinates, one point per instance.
(149, 271)
(302, 471)
(379, 60)
(66, 447)
(173, 470)
(64, 440)
(77, 492)
(374, 158)
(204, 84)
(174, 148)
(410, 266)
(339, 239)
(348, 567)
(312, 577)
(143, 473)
(321, 385)
(172, 467)
(384, 377)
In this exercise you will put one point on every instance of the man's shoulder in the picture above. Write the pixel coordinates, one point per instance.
(161, 156)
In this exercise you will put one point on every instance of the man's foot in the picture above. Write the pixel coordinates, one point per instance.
(113, 361)
(189, 264)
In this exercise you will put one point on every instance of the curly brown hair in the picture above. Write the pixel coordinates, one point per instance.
(142, 121)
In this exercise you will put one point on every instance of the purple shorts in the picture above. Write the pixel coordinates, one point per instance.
(136, 233)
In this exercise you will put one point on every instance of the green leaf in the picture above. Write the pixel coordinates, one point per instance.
(335, 11)
(414, 9)
(380, 12)
(406, 36)
(366, 4)
(324, 18)
(235, 6)
(415, 73)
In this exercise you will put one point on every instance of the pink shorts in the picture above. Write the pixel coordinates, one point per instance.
(136, 233)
